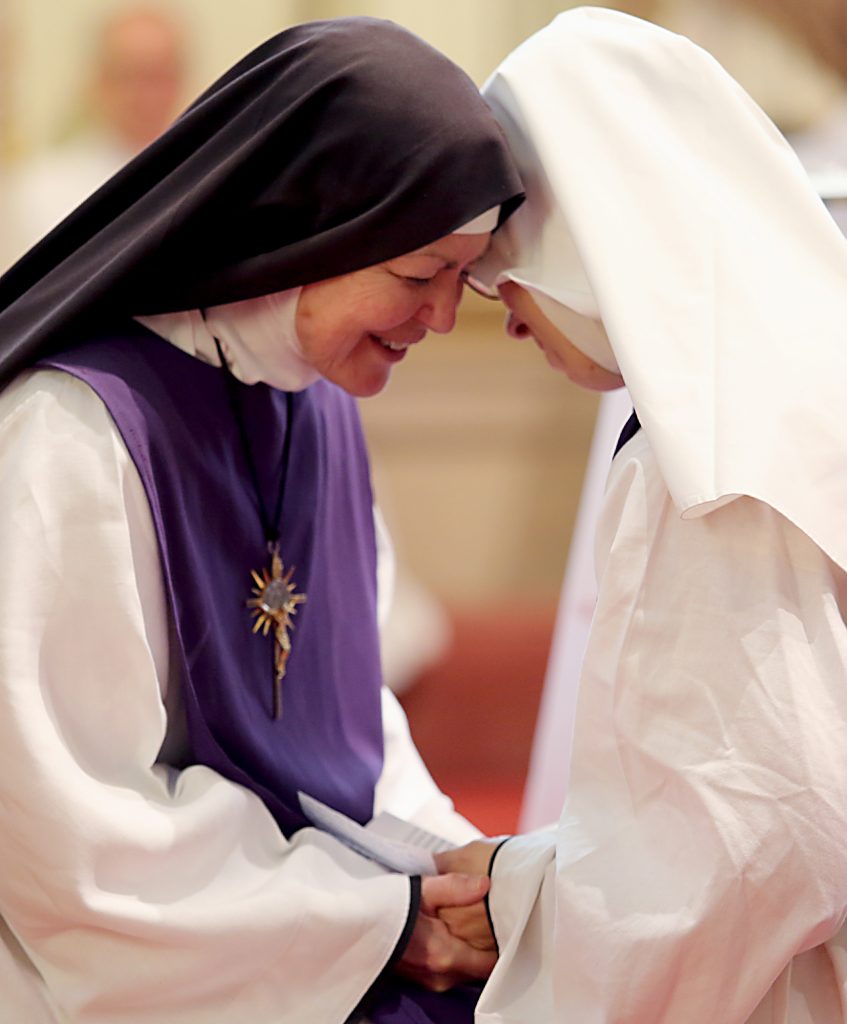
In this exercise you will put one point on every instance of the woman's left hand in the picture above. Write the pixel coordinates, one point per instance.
(471, 859)
(469, 923)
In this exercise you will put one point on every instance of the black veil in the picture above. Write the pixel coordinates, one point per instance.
(332, 146)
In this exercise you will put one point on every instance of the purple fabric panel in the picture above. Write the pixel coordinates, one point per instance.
(173, 414)
(400, 1003)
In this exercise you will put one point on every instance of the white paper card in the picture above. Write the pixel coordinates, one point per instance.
(387, 839)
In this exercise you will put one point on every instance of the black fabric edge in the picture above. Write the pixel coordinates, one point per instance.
(630, 429)
(398, 951)
(411, 921)
(494, 853)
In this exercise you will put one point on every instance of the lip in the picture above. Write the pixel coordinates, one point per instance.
(390, 354)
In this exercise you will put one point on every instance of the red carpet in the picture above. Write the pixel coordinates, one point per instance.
(473, 714)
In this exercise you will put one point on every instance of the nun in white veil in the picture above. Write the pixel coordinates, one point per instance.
(698, 872)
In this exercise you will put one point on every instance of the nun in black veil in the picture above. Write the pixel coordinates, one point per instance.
(188, 602)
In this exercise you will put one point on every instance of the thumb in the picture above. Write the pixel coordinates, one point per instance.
(451, 890)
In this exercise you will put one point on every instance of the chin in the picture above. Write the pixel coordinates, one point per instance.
(615, 383)
(362, 386)
(601, 380)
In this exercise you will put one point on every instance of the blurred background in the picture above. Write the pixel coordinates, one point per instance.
(478, 449)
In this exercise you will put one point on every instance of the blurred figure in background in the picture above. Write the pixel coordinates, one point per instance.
(135, 89)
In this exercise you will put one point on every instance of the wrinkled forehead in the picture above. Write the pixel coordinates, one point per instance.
(451, 251)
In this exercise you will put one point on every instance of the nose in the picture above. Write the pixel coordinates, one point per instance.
(439, 312)
(516, 328)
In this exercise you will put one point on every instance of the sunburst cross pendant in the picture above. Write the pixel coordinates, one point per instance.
(274, 603)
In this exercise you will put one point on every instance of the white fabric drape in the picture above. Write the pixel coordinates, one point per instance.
(699, 865)
(666, 212)
(549, 767)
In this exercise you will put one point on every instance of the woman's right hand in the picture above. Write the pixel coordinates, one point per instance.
(434, 958)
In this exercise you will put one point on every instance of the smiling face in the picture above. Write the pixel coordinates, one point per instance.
(355, 328)
(525, 320)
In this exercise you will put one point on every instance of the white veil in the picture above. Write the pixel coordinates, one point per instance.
(669, 218)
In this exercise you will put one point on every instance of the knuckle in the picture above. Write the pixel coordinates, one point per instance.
(440, 962)
(440, 983)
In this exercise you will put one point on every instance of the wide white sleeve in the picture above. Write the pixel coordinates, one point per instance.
(141, 894)
(703, 844)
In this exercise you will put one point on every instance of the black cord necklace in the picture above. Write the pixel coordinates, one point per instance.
(275, 598)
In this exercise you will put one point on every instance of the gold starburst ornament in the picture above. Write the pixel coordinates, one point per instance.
(273, 606)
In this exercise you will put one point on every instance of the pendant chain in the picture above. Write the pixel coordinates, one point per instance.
(275, 598)
(270, 524)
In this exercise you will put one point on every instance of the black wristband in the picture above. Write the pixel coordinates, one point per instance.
(411, 921)
(361, 1010)
(494, 853)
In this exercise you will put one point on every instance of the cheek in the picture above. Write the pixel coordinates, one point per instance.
(332, 324)
(387, 313)
(324, 339)
(325, 318)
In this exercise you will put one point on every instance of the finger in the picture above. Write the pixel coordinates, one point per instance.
(476, 964)
(444, 982)
(433, 982)
(469, 923)
(451, 890)
(439, 965)
(472, 927)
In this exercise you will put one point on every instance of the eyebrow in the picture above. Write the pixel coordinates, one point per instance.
(448, 264)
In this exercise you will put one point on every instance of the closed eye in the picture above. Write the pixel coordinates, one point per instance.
(417, 282)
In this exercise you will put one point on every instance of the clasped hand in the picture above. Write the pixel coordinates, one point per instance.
(452, 941)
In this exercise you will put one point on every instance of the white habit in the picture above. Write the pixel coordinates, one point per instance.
(698, 872)
(703, 846)
(225, 919)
